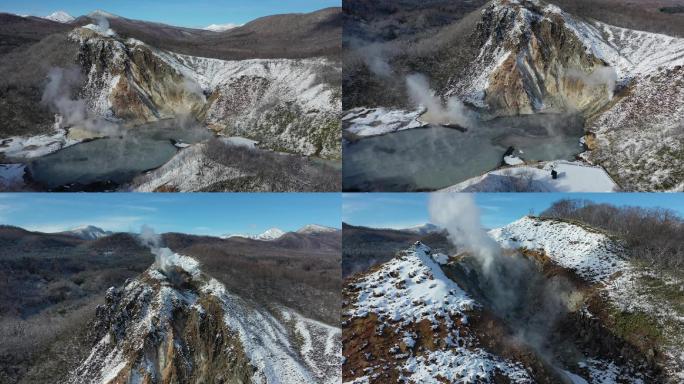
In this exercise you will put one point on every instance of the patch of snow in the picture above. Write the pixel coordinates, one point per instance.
(513, 160)
(462, 365)
(365, 122)
(240, 141)
(574, 379)
(20, 148)
(572, 177)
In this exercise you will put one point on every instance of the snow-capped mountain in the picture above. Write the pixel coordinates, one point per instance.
(176, 324)
(60, 16)
(315, 228)
(423, 229)
(221, 27)
(88, 232)
(267, 235)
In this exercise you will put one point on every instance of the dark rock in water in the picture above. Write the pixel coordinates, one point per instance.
(509, 152)
(554, 174)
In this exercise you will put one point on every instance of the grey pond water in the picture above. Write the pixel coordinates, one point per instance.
(116, 159)
(437, 157)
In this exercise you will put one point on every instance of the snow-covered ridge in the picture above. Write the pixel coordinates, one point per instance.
(425, 293)
(276, 233)
(591, 254)
(221, 27)
(154, 301)
(267, 235)
(315, 228)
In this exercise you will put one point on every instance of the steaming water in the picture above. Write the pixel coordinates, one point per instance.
(437, 157)
(116, 159)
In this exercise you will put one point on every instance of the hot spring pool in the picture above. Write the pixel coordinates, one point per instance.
(115, 159)
(436, 157)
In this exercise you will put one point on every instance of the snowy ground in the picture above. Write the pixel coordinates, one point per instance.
(188, 170)
(411, 288)
(572, 177)
(366, 122)
(19, 147)
(424, 282)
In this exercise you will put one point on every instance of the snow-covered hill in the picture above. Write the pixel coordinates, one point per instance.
(88, 232)
(176, 324)
(315, 228)
(285, 104)
(407, 321)
(634, 289)
(60, 17)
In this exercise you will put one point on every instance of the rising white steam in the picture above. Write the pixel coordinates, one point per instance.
(600, 77)
(454, 112)
(57, 96)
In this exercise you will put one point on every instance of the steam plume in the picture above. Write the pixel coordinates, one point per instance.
(603, 76)
(515, 288)
(454, 112)
(162, 256)
(57, 96)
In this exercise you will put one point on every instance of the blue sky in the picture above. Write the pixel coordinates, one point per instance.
(196, 213)
(196, 13)
(402, 210)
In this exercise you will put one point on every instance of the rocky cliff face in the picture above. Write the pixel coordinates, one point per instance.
(530, 60)
(291, 105)
(174, 324)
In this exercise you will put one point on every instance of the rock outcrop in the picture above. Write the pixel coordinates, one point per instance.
(531, 60)
(174, 324)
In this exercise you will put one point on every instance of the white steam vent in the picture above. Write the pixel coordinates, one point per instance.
(165, 259)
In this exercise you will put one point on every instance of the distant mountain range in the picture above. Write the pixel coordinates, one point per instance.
(276, 233)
